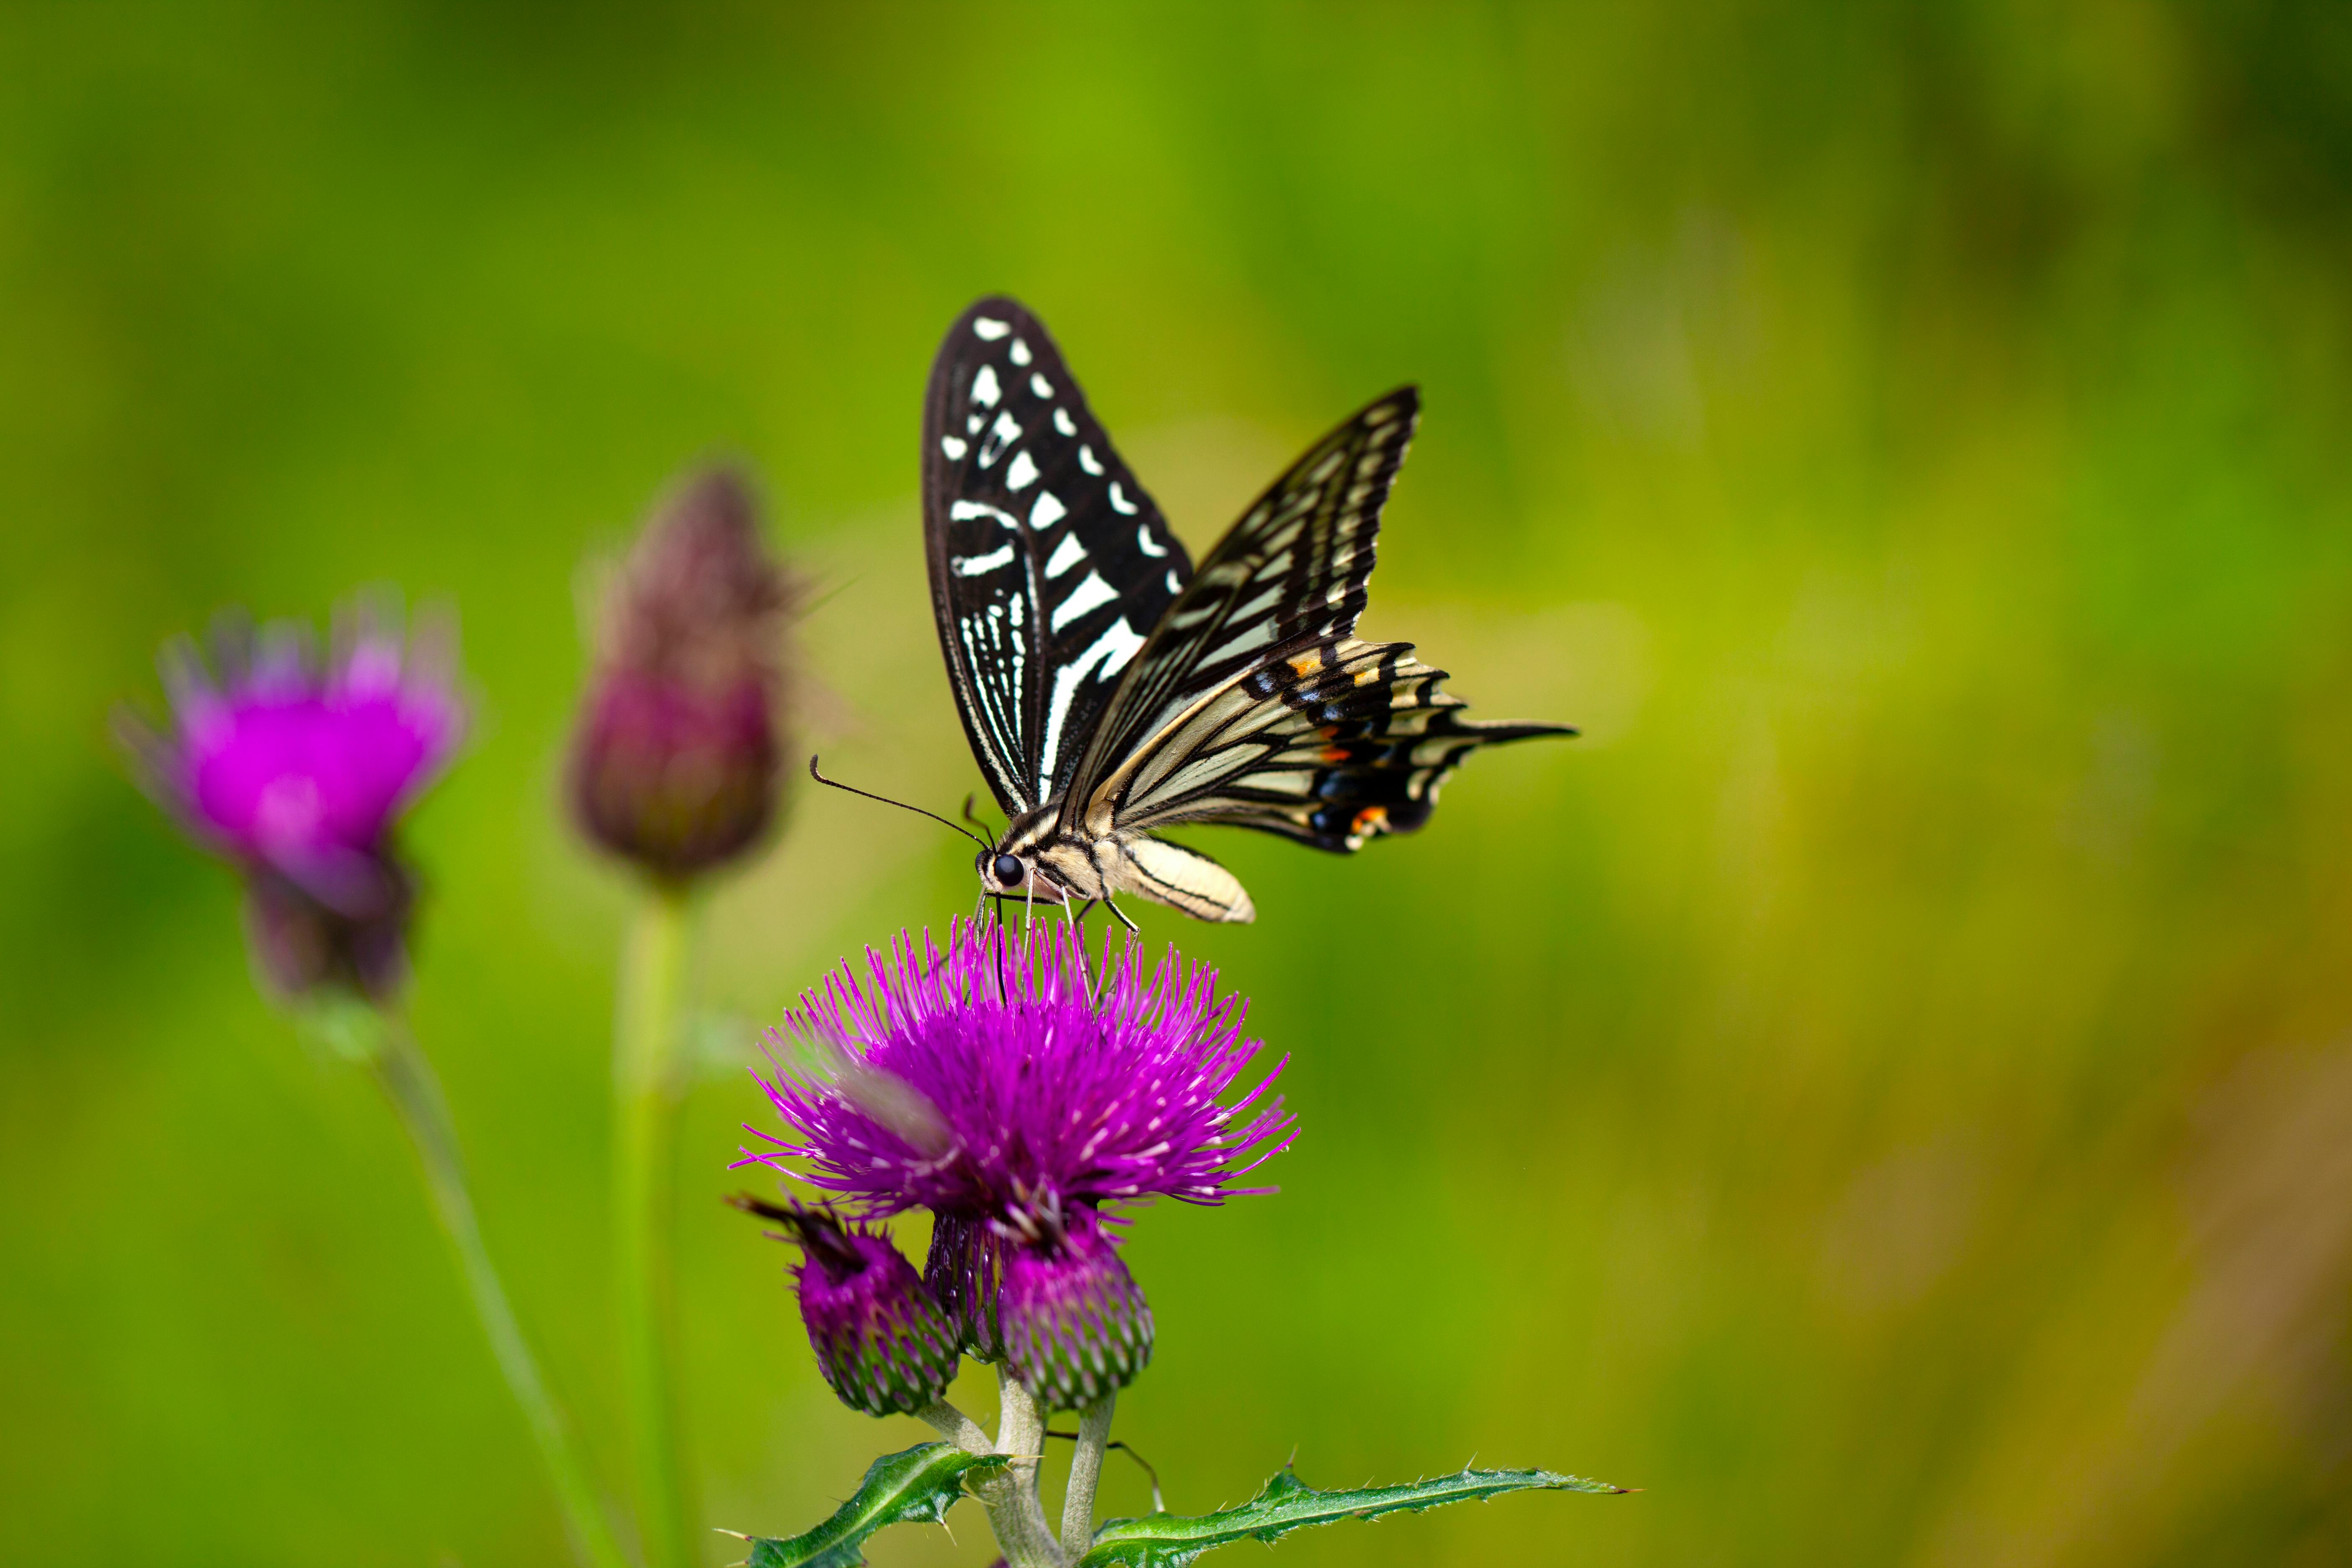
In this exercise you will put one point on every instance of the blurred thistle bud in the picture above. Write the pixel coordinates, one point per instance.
(1075, 1322)
(882, 1341)
(298, 768)
(964, 1271)
(673, 760)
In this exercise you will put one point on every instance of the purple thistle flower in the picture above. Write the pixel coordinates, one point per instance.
(995, 1083)
(298, 767)
(881, 1341)
(1014, 1095)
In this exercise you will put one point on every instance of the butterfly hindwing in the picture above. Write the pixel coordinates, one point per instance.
(1292, 572)
(1049, 563)
(1332, 745)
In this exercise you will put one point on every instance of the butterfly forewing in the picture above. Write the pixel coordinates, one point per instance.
(1290, 574)
(1049, 565)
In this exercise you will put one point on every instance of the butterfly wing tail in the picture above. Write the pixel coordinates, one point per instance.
(1332, 745)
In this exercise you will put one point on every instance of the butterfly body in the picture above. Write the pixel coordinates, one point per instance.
(1037, 861)
(1110, 690)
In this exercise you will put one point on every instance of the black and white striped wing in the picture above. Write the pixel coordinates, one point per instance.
(1292, 572)
(1331, 745)
(1049, 565)
(1255, 705)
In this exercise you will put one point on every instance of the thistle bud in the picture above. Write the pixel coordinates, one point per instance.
(674, 762)
(1076, 1324)
(964, 1269)
(881, 1341)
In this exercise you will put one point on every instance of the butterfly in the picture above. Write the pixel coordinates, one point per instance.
(1110, 689)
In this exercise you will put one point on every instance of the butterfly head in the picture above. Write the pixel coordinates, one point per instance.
(1035, 863)
(1012, 875)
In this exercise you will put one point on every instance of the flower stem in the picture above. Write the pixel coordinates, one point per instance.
(1086, 1473)
(415, 1094)
(1011, 1495)
(957, 1427)
(645, 1094)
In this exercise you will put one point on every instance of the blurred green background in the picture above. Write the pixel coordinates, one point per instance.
(1886, 1090)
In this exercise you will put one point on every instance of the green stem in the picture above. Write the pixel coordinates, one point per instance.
(409, 1083)
(646, 1093)
(1086, 1475)
(957, 1428)
(1011, 1495)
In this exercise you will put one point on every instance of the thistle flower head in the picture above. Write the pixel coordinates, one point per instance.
(297, 766)
(882, 1342)
(674, 762)
(1000, 1080)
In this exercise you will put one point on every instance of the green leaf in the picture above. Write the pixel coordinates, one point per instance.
(914, 1487)
(1287, 1503)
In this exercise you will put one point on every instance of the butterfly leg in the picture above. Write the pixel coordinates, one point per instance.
(1078, 936)
(986, 897)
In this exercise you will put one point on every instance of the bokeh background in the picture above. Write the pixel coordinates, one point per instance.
(1886, 1090)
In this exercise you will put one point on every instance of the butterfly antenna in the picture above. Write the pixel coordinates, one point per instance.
(975, 821)
(901, 804)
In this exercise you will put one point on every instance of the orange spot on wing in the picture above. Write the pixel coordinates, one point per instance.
(1307, 663)
(1369, 820)
(1335, 754)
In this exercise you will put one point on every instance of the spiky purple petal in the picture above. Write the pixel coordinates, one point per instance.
(1001, 1079)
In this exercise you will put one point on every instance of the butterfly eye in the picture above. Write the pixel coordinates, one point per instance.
(1008, 870)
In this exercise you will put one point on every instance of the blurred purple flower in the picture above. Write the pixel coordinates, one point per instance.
(297, 767)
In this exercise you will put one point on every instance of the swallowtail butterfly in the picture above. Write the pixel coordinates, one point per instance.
(1110, 689)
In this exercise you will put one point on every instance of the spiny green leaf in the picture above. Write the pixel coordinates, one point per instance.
(1287, 1503)
(916, 1486)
